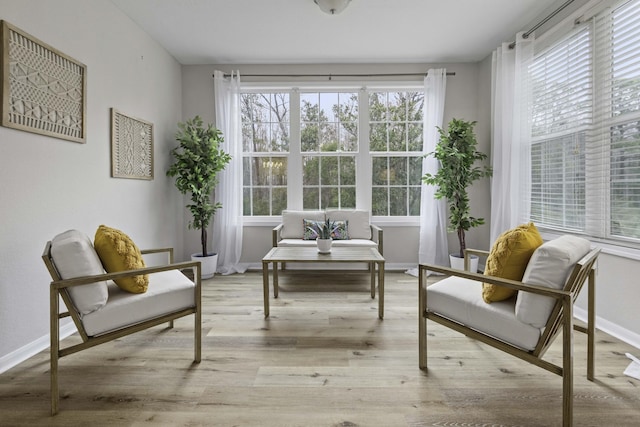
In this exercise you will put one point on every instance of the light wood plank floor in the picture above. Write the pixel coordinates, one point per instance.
(323, 358)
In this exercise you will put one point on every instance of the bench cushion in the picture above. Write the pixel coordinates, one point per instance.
(293, 222)
(168, 291)
(74, 256)
(461, 300)
(358, 220)
(550, 266)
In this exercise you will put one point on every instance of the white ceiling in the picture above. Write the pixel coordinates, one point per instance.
(297, 32)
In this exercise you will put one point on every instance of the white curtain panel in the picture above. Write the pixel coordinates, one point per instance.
(227, 223)
(433, 247)
(510, 135)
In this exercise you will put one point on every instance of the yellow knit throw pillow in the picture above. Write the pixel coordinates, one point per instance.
(118, 253)
(508, 259)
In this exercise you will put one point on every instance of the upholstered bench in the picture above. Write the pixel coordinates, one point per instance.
(359, 230)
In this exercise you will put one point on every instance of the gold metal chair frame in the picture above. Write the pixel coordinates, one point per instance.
(59, 288)
(561, 319)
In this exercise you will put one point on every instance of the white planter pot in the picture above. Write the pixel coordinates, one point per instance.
(324, 245)
(208, 264)
(458, 263)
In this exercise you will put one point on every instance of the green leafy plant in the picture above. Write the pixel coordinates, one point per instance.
(324, 230)
(197, 161)
(456, 151)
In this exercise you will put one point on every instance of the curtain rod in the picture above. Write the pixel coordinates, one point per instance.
(544, 21)
(330, 76)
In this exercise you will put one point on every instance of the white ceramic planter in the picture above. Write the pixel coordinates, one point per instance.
(458, 263)
(324, 245)
(208, 264)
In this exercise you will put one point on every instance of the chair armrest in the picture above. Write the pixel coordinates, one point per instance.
(85, 280)
(378, 234)
(276, 234)
(158, 251)
(467, 256)
(513, 284)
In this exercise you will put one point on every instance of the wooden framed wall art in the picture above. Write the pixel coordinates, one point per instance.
(43, 90)
(131, 147)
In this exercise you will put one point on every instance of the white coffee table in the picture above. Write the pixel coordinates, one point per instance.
(370, 256)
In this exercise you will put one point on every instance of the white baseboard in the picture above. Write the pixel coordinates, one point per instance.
(20, 355)
(610, 328)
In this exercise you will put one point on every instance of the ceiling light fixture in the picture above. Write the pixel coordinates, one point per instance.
(332, 7)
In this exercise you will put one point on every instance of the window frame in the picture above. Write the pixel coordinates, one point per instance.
(363, 155)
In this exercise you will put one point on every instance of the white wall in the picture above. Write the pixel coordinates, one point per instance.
(401, 241)
(49, 185)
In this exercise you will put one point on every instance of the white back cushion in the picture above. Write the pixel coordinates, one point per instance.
(292, 222)
(550, 266)
(358, 222)
(74, 256)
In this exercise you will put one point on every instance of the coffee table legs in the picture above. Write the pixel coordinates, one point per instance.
(372, 269)
(275, 280)
(381, 290)
(265, 287)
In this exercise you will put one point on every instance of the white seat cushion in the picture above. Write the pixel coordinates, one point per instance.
(358, 222)
(550, 266)
(355, 243)
(461, 300)
(292, 222)
(168, 291)
(73, 255)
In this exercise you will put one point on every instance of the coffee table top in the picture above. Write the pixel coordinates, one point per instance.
(311, 254)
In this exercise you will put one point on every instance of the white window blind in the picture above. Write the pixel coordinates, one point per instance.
(561, 114)
(615, 138)
(585, 153)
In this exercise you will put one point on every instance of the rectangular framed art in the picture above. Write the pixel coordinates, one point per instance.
(43, 90)
(131, 147)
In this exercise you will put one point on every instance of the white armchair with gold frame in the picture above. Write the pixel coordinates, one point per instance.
(100, 310)
(525, 325)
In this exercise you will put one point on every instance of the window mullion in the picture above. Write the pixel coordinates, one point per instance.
(363, 160)
(294, 166)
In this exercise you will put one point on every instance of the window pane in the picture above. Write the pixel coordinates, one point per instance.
(329, 171)
(261, 201)
(311, 198)
(415, 136)
(380, 171)
(311, 170)
(348, 197)
(329, 198)
(414, 201)
(380, 201)
(397, 140)
(279, 200)
(415, 170)
(398, 201)
(625, 180)
(265, 129)
(348, 171)
(309, 137)
(558, 182)
(378, 137)
(398, 170)
(396, 126)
